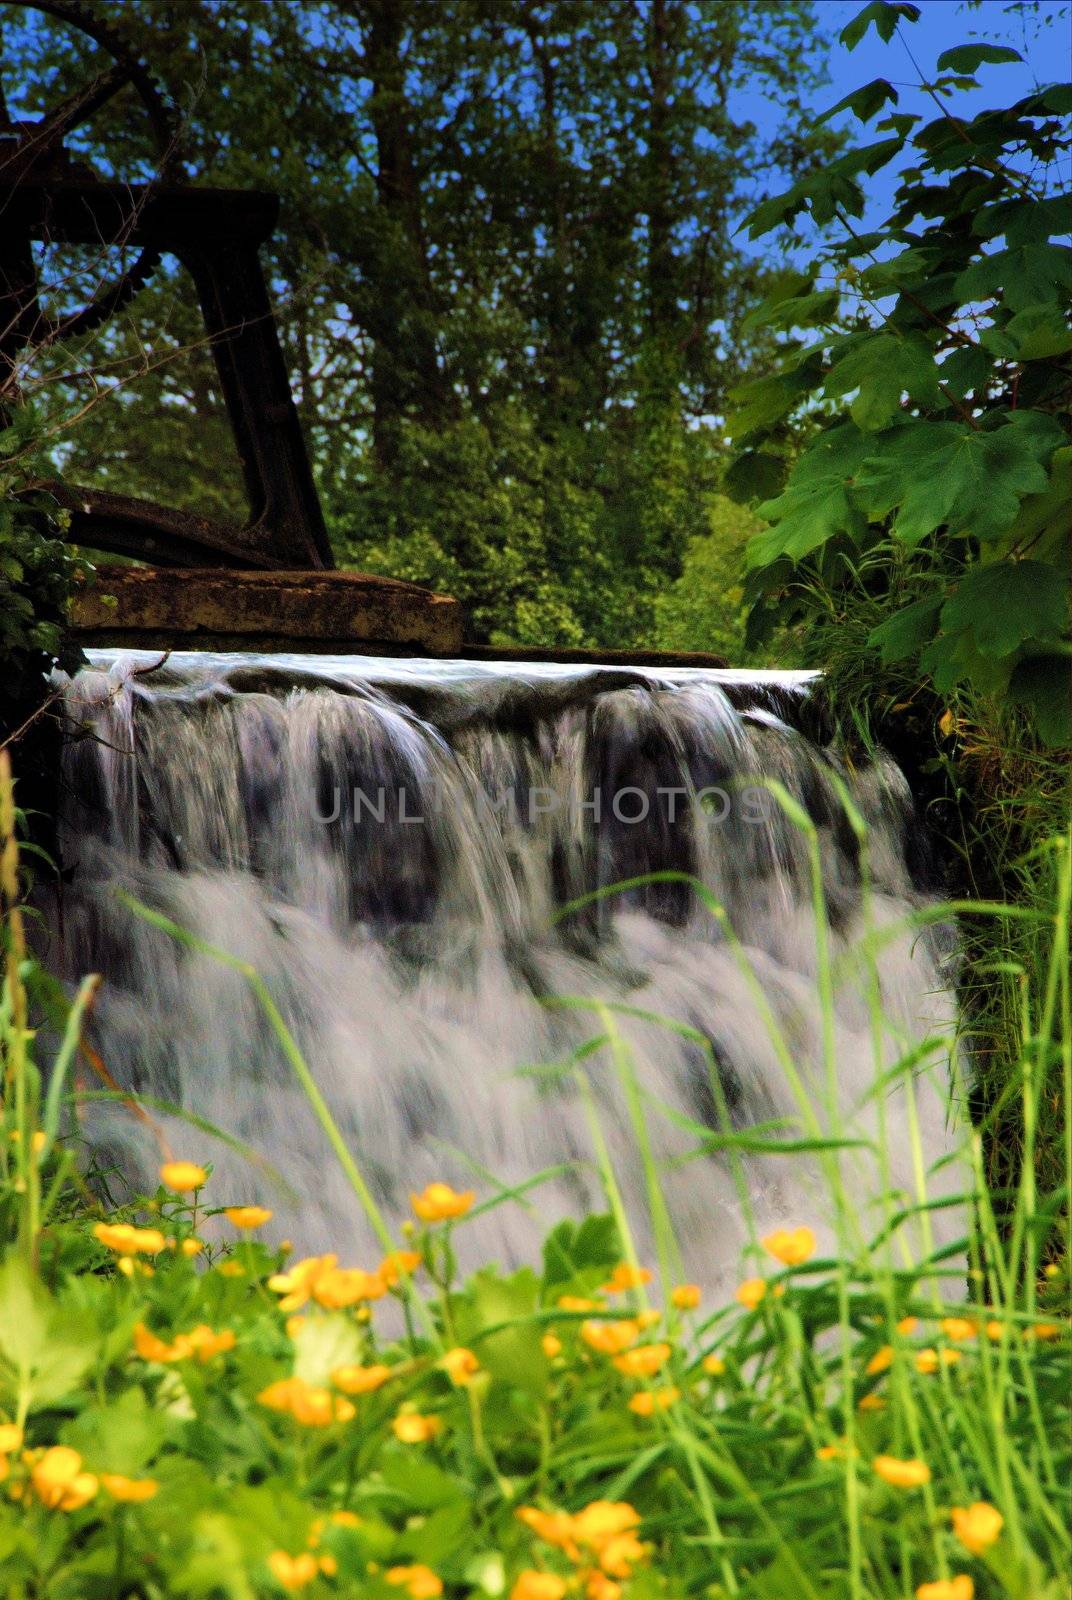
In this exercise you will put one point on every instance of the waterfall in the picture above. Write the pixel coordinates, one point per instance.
(390, 843)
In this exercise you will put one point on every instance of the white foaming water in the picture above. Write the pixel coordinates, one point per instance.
(413, 946)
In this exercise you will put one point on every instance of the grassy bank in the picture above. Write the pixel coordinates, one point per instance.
(190, 1419)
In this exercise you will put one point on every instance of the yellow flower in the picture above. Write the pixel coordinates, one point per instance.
(231, 1269)
(908, 1325)
(554, 1527)
(182, 1176)
(995, 1331)
(686, 1297)
(713, 1365)
(133, 1490)
(643, 1362)
(872, 1402)
(203, 1343)
(419, 1581)
(247, 1216)
(411, 1427)
(902, 1474)
(532, 1585)
(10, 1437)
(293, 1572)
(793, 1246)
(192, 1245)
(610, 1338)
(881, 1361)
(604, 1520)
(930, 1360)
(1044, 1330)
(312, 1407)
(296, 1284)
(599, 1587)
(959, 1588)
(399, 1262)
(460, 1365)
(959, 1327)
(360, 1380)
(647, 1402)
(977, 1526)
(551, 1345)
(152, 1348)
(573, 1302)
(626, 1277)
(338, 1287)
(441, 1203)
(751, 1292)
(59, 1482)
(127, 1240)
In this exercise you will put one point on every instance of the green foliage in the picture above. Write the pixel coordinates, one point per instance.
(37, 569)
(946, 330)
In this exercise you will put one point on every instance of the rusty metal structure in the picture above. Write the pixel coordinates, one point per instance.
(47, 193)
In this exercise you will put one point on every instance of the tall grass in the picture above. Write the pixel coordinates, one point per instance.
(811, 1437)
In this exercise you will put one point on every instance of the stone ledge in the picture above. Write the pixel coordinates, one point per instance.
(201, 607)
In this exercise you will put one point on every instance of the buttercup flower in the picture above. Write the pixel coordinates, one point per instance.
(411, 1427)
(132, 1490)
(833, 1452)
(604, 1520)
(297, 1283)
(647, 1402)
(532, 1585)
(192, 1245)
(554, 1527)
(751, 1292)
(573, 1302)
(793, 1246)
(551, 1345)
(881, 1361)
(643, 1362)
(977, 1526)
(610, 1338)
(995, 1331)
(419, 1581)
(626, 1277)
(1045, 1331)
(930, 1360)
(203, 1343)
(392, 1267)
(441, 1203)
(247, 1216)
(59, 1482)
(460, 1365)
(908, 1325)
(338, 1287)
(686, 1296)
(599, 1587)
(10, 1438)
(959, 1588)
(152, 1348)
(360, 1380)
(872, 1402)
(311, 1406)
(959, 1327)
(902, 1474)
(126, 1240)
(182, 1176)
(713, 1365)
(293, 1572)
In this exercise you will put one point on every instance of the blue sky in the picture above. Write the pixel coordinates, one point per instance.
(1045, 43)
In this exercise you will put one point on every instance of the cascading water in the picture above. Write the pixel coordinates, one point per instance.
(388, 843)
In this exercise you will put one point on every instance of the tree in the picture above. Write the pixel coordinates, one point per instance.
(934, 353)
(506, 273)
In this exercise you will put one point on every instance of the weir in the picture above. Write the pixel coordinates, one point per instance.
(398, 848)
